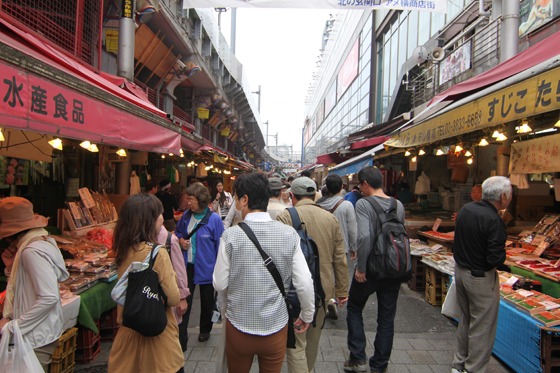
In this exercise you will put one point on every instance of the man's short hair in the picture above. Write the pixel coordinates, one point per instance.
(372, 175)
(494, 187)
(334, 183)
(300, 197)
(306, 173)
(290, 178)
(356, 187)
(405, 186)
(150, 184)
(257, 189)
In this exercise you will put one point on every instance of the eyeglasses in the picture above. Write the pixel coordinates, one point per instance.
(192, 200)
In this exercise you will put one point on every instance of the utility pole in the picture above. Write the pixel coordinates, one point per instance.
(277, 143)
(220, 11)
(233, 29)
(259, 93)
(266, 132)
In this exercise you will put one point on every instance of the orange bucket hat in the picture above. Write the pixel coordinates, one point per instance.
(16, 215)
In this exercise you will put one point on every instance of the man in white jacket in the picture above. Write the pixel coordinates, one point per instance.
(32, 297)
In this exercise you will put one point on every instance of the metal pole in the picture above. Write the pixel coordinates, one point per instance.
(233, 28)
(276, 143)
(302, 147)
(125, 56)
(259, 98)
(266, 132)
(510, 30)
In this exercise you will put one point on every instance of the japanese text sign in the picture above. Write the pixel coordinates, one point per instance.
(536, 95)
(535, 156)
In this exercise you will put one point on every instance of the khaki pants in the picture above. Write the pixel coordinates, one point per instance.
(44, 354)
(302, 359)
(479, 301)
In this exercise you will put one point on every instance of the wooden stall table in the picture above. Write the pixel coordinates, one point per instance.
(447, 243)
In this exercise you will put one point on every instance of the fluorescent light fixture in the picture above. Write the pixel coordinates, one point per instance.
(85, 145)
(483, 142)
(55, 143)
(496, 133)
(121, 152)
(545, 131)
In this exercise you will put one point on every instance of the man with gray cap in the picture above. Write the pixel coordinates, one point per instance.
(275, 206)
(324, 229)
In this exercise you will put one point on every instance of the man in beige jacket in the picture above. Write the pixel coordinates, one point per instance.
(324, 229)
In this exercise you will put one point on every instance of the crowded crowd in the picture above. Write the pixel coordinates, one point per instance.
(271, 258)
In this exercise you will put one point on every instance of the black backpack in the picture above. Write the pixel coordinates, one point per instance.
(311, 254)
(390, 256)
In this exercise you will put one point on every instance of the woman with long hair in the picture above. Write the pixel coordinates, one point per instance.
(221, 200)
(140, 221)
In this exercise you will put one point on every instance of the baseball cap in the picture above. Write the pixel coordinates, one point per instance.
(303, 186)
(275, 183)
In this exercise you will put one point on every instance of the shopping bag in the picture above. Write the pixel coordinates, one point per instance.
(450, 305)
(19, 356)
(221, 359)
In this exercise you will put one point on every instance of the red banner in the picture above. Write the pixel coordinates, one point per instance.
(33, 103)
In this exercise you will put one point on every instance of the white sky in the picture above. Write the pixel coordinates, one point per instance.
(279, 49)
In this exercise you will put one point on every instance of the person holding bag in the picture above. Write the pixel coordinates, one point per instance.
(148, 339)
(256, 261)
(32, 308)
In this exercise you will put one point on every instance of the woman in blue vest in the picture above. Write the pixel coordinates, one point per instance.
(199, 232)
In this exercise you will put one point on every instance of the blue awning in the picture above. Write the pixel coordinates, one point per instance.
(353, 167)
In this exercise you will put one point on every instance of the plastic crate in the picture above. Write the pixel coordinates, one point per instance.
(109, 334)
(418, 280)
(433, 276)
(108, 320)
(434, 295)
(63, 355)
(88, 345)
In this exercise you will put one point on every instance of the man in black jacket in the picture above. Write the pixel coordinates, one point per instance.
(479, 248)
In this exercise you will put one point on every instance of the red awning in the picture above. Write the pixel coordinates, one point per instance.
(540, 52)
(45, 106)
(368, 143)
(331, 158)
(190, 145)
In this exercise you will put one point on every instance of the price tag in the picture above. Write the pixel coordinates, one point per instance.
(525, 293)
(436, 225)
(538, 239)
(541, 248)
(86, 197)
(550, 305)
(436, 247)
(511, 281)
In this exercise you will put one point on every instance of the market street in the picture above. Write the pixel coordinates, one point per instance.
(424, 341)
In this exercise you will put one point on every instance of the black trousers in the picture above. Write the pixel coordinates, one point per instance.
(207, 302)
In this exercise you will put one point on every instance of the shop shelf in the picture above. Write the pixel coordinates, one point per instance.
(63, 355)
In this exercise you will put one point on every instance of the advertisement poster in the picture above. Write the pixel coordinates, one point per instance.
(349, 70)
(330, 100)
(535, 156)
(111, 40)
(455, 64)
(535, 13)
(16, 171)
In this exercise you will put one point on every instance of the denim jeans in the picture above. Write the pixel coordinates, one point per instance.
(387, 295)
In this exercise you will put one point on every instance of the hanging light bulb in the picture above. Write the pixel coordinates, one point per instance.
(458, 148)
(468, 153)
(524, 128)
(407, 153)
(502, 137)
(557, 123)
(93, 148)
(163, 156)
(55, 143)
(121, 152)
(421, 152)
(414, 159)
(483, 142)
(469, 161)
(439, 151)
(171, 154)
(181, 155)
(85, 144)
(2, 136)
(181, 151)
(496, 133)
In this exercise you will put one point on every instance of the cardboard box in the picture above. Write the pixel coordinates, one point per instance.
(534, 200)
(528, 213)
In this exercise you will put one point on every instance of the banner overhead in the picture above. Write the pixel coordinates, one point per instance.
(438, 6)
(536, 95)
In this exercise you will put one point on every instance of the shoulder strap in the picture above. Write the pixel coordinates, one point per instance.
(200, 224)
(269, 264)
(336, 206)
(168, 241)
(296, 222)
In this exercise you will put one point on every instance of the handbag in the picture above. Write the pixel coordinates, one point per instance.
(269, 264)
(18, 357)
(450, 305)
(146, 303)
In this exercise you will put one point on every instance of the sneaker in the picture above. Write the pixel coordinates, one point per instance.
(332, 312)
(355, 366)
(453, 370)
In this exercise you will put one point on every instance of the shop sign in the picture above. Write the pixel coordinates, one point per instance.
(535, 156)
(349, 70)
(530, 97)
(112, 40)
(439, 6)
(30, 103)
(127, 8)
(455, 64)
(535, 13)
(454, 160)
